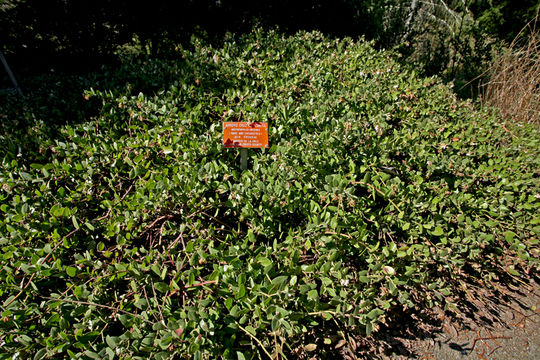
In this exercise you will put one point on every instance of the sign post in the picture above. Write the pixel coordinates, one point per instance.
(243, 158)
(245, 135)
(11, 76)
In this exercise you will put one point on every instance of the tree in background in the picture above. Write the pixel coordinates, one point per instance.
(38, 32)
(451, 38)
(502, 18)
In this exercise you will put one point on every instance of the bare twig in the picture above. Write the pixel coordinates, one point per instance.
(524, 317)
(254, 338)
(148, 302)
(202, 283)
(492, 351)
(179, 237)
(217, 220)
(118, 202)
(153, 224)
(487, 338)
(161, 233)
(159, 308)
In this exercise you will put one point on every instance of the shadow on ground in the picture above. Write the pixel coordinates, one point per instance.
(501, 323)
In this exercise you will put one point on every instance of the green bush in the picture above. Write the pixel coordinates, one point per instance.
(133, 233)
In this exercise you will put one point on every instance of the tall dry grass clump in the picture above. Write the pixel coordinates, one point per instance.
(514, 80)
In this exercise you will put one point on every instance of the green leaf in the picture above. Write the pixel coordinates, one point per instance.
(251, 330)
(512, 271)
(92, 355)
(75, 223)
(369, 328)
(438, 231)
(112, 341)
(228, 303)
(110, 353)
(100, 246)
(364, 279)
(264, 261)
(71, 271)
(293, 281)
(26, 176)
(374, 314)
(275, 324)
(56, 210)
(509, 236)
(138, 158)
(161, 287)
(279, 279)
(313, 295)
(40, 354)
(66, 212)
(156, 269)
(389, 270)
(241, 291)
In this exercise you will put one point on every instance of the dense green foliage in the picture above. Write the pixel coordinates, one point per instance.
(128, 231)
(502, 18)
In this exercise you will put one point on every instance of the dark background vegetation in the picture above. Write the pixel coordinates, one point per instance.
(37, 35)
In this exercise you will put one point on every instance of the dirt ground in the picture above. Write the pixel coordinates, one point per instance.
(512, 332)
(502, 326)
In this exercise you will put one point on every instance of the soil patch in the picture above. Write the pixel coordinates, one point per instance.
(498, 324)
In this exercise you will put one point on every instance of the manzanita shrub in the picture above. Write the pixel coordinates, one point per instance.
(129, 232)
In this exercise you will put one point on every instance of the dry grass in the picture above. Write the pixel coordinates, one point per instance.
(514, 80)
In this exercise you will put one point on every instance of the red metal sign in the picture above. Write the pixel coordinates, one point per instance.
(245, 134)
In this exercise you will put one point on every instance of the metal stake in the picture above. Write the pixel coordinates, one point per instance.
(243, 158)
(11, 76)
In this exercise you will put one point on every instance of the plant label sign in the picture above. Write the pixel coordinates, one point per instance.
(245, 134)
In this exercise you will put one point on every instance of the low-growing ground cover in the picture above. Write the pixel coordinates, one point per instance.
(128, 231)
